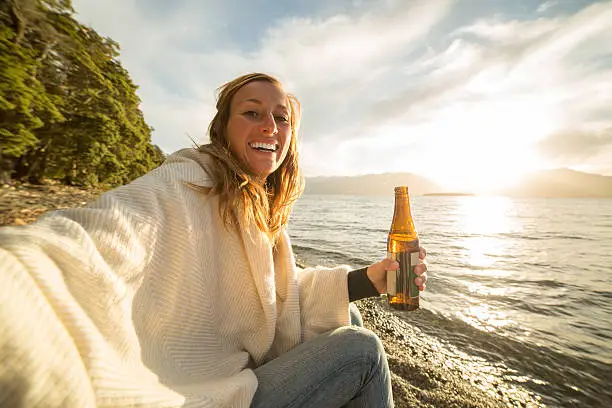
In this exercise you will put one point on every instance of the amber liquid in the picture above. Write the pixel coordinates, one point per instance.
(403, 246)
(405, 250)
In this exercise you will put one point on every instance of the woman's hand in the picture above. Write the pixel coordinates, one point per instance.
(377, 273)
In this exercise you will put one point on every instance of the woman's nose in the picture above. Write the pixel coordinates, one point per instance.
(269, 125)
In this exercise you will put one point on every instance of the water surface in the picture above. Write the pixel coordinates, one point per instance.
(527, 282)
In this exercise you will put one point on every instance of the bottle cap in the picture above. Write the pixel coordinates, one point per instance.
(401, 190)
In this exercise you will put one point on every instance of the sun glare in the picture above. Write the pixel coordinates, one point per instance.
(481, 172)
(489, 146)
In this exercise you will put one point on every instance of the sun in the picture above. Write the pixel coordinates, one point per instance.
(487, 147)
(483, 172)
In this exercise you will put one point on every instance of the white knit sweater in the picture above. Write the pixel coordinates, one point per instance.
(144, 298)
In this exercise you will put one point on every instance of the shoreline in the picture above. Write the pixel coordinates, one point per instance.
(426, 372)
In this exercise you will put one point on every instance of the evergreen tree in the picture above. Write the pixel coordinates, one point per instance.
(68, 109)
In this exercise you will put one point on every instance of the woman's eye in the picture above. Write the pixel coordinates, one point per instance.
(251, 114)
(281, 118)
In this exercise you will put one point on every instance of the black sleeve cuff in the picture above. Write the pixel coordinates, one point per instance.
(360, 286)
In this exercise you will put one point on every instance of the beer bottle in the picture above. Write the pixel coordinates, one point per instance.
(403, 246)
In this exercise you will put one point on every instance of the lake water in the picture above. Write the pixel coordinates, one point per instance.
(526, 282)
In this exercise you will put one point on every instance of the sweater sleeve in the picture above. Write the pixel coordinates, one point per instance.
(323, 299)
(65, 332)
(360, 286)
(66, 288)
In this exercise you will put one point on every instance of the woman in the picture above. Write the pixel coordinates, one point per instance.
(180, 289)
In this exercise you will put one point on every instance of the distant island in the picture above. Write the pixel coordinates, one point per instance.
(559, 183)
(450, 194)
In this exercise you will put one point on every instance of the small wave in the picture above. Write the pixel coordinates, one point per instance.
(538, 283)
(520, 236)
(314, 241)
(319, 254)
(548, 283)
(574, 237)
(596, 299)
(605, 294)
(384, 231)
(543, 310)
(504, 256)
(437, 235)
(482, 267)
(538, 264)
(567, 237)
(601, 335)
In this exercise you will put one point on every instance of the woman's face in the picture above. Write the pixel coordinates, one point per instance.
(259, 129)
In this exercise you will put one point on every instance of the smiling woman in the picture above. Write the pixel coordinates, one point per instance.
(181, 288)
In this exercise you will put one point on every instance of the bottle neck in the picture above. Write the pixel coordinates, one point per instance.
(402, 217)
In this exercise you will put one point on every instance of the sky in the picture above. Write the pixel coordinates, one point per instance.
(472, 94)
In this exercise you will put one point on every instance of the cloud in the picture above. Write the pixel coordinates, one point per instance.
(328, 61)
(496, 90)
(575, 146)
(379, 81)
(344, 49)
(339, 65)
(545, 73)
(547, 5)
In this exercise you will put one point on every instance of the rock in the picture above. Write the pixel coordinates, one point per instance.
(19, 221)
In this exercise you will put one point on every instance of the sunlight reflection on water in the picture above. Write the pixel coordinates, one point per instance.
(483, 220)
(483, 318)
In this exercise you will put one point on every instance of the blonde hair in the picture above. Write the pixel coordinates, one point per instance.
(267, 205)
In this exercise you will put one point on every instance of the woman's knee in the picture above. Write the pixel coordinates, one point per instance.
(362, 342)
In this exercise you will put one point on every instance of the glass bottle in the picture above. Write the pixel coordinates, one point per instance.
(403, 246)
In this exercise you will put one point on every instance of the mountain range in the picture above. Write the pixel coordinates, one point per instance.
(556, 183)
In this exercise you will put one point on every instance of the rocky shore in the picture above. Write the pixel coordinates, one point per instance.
(426, 372)
(22, 204)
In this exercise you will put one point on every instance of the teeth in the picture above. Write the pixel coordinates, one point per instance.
(267, 146)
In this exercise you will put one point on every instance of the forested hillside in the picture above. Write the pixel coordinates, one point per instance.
(68, 109)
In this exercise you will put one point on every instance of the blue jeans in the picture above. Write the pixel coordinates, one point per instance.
(344, 367)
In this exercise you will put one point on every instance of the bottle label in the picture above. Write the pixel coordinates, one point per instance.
(392, 277)
(402, 280)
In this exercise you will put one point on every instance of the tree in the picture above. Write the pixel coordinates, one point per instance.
(24, 104)
(69, 110)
